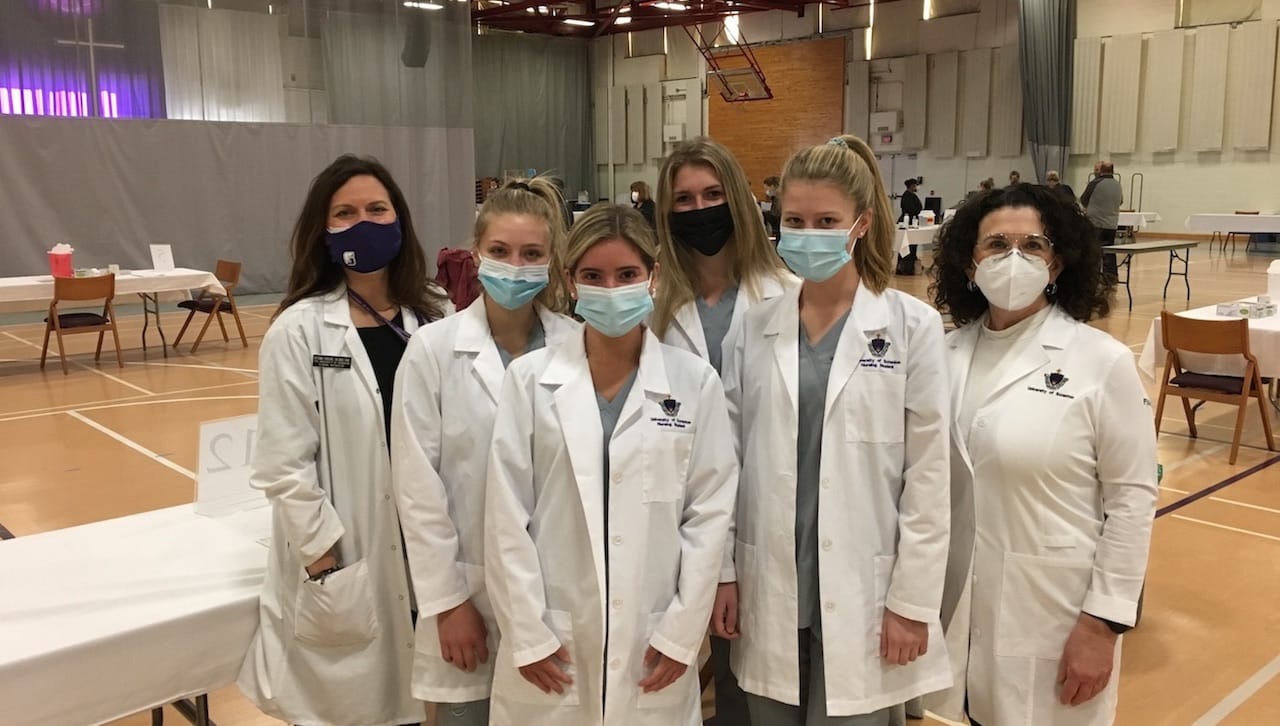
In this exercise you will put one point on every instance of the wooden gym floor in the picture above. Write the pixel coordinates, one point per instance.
(105, 442)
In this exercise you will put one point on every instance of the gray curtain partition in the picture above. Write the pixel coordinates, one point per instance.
(1047, 36)
(533, 106)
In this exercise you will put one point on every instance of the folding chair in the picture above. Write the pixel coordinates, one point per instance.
(80, 289)
(1214, 337)
(214, 305)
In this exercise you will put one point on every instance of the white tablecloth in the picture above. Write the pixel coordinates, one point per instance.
(920, 236)
(1137, 220)
(1264, 343)
(112, 618)
(1260, 223)
(34, 292)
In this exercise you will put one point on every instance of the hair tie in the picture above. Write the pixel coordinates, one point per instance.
(520, 185)
(837, 141)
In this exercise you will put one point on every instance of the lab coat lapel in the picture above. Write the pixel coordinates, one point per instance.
(689, 324)
(475, 338)
(960, 345)
(337, 316)
(651, 383)
(868, 320)
(783, 329)
(576, 410)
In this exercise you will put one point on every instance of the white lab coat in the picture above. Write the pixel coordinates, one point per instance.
(316, 661)
(1070, 534)
(884, 514)
(671, 490)
(685, 330)
(441, 424)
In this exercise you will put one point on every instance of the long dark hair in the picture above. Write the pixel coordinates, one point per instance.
(1082, 291)
(313, 273)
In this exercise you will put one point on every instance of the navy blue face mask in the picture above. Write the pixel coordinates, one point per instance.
(364, 247)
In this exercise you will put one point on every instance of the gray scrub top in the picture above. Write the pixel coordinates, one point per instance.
(815, 370)
(609, 413)
(715, 323)
(537, 339)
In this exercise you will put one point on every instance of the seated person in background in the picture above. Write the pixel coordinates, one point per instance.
(984, 186)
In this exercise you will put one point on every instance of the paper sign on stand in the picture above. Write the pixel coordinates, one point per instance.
(162, 257)
(222, 483)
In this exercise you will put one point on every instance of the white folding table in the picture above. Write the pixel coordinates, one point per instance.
(1221, 225)
(117, 617)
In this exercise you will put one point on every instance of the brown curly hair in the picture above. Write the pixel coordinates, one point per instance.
(1082, 291)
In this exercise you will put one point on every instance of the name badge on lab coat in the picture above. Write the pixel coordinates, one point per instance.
(331, 361)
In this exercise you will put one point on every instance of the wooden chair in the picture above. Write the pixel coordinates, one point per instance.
(1216, 337)
(214, 305)
(80, 289)
(1231, 236)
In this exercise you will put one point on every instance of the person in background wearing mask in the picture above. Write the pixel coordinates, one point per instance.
(1102, 200)
(1053, 468)
(1064, 192)
(718, 264)
(611, 485)
(446, 397)
(335, 609)
(642, 201)
(772, 210)
(841, 418)
(910, 206)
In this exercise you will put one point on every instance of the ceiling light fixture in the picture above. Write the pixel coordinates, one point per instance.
(422, 5)
(579, 23)
(678, 7)
(624, 20)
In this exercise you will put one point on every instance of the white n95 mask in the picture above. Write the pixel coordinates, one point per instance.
(1012, 281)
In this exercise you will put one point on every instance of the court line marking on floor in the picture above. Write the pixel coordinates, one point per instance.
(131, 444)
(208, 367)
(51, 410)
(1242, 693)
(80, 365)
(1229, 528)
(1233, 502)
(1169, 468)
(1193, 498)
(131, 404)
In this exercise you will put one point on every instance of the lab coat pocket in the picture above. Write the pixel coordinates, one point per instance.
(508, 679)
(1040, 600)
(338, 610)
(668, 454)
(873, 408)
(673, 695)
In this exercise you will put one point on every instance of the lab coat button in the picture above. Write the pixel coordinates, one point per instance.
(387, 497)
(826, 483)
(977, 632)
(831, 606)
(394, 548)
(982, 423)
(617, 604)
(617, 539)
(826, 545)
(615, 664)
(402, 597)
(617, 477)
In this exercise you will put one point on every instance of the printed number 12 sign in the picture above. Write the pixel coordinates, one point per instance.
(222, 484)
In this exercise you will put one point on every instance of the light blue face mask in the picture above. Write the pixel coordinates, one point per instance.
(614, 311)
(510, 286)
(815, 254)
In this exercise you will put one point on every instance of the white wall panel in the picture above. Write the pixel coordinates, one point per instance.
(1162, 91)
(976, 105)
(943, 87)
(618, 124)
(1086, 87)
(635, 124)
(653, 121)
(1121, 71)
(1209, 88)
(915, 95)
(1006, 103)
(857, 99)
(600, 124)
(1251, 71)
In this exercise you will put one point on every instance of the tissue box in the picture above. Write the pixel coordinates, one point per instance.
(1246, 309)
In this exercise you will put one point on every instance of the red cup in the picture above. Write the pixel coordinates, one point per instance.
(60, 264)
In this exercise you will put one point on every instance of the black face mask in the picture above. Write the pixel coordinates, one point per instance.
(706, 230)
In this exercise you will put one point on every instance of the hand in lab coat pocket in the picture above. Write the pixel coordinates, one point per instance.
(336, 610)
(547, 674)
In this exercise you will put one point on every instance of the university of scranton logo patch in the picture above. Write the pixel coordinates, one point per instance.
(879, 346)
(670, 419)
(1054, 381)
(670, 407)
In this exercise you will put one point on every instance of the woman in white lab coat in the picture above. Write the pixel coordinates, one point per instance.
(718, 262)
(335, 637)
(610, 489)
(446, 397)
(839, 400)
(1053, 467)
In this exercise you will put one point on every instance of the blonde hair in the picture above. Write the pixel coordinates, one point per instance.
(606, 221)
(643, 188)
(848, 164)
(537, 197)
(751, 254)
